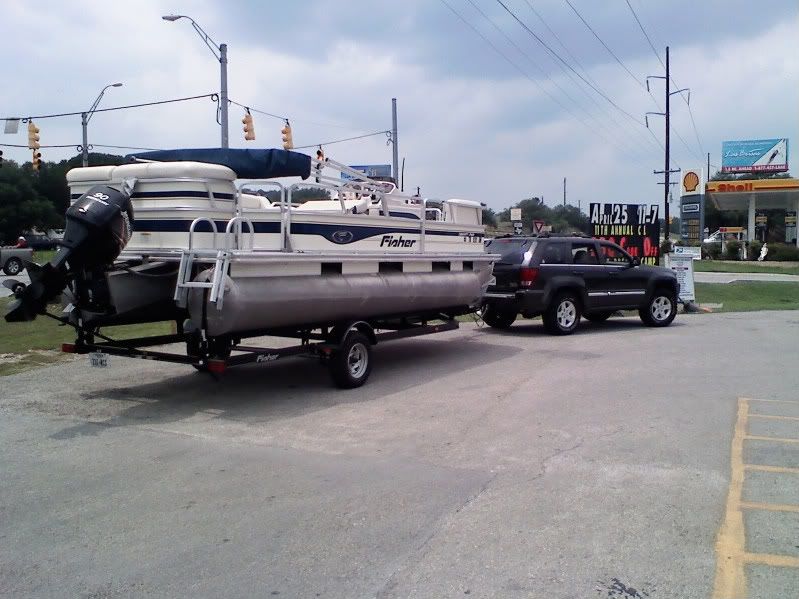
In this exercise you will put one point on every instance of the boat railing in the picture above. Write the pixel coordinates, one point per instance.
(237, 233)
(193, 226)
(285, 243)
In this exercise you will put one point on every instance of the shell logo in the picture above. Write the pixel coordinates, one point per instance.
(690, 181)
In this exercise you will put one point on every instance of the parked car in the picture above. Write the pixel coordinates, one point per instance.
(12, 260)
(39, 241)
(564, 278)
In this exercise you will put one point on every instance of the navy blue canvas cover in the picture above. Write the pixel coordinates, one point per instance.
(246, 163)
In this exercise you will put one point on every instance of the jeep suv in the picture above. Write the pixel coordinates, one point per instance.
(564, 278)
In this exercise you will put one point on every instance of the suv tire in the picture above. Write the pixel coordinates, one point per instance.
(661, 308)
(562, 316)
(496, 318)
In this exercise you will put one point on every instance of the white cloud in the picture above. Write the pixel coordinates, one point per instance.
(494, 139)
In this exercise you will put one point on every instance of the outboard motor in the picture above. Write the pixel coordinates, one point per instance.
(99, 225)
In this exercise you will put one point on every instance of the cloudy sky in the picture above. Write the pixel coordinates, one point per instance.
(489, 114)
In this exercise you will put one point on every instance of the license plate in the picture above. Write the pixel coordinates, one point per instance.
(98, 359)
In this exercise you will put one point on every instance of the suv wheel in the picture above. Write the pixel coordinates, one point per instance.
(660, 310)
(496, 318)
(563, 315)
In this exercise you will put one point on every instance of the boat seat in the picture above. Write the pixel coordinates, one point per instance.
(254, 201)
(354, 206)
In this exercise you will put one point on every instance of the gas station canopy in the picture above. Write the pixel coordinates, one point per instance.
(751, 195)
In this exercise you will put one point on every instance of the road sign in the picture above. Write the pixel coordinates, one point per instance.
(515, 214)
(538, 226)
(517, 228)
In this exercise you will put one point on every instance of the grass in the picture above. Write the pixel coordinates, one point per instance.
(730, 266)
(42, 256)
(747, 296)
(27, 345)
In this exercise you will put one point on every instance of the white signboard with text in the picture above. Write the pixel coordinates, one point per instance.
(683, 267)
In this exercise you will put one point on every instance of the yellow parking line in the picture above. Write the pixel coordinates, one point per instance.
(770, 400)
(772, 439)
(769, 559)
(776, 469)
(771, 507)
(730, 544)
(773, 417)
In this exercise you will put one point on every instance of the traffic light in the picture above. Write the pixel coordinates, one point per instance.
(33, 136)
(249, 127)
(288, 141)
(37, 160)
(1, 158)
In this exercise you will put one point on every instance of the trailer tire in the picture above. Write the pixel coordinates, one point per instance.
(351, 362)
(13, 266)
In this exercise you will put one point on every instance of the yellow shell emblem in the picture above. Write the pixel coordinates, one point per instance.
(690, 181)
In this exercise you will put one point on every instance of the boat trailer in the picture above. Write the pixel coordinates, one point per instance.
(344, 347)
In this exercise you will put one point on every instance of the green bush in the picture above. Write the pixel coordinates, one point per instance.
(711, 251)
(754, 249)
(733, 250)
(782, 252)
(666, 247)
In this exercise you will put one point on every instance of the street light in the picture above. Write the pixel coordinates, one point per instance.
(220, 53)
(85, 117)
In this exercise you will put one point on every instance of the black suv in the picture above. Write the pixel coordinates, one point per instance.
(564, 278)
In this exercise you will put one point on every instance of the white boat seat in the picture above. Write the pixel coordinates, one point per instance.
(354, 206)
(151, 170)
(255, 201)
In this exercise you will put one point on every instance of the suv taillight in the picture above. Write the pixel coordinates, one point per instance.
(528, 276)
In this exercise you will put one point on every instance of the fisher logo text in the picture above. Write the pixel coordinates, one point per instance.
(390, 241)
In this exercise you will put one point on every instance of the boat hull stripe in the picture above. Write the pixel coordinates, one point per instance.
(328, 231)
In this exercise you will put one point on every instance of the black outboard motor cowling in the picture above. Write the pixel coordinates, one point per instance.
(99, 225)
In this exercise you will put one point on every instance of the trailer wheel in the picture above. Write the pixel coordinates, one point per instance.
(13, 267)
(351, 362)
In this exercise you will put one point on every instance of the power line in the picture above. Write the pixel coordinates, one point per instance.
(657, 55)
(581, 66)
(527, 76)
(558, 57)
(285, 118)
(601, 41)
(337, 141)
(538, 67)
(213, 96)
(518, 68)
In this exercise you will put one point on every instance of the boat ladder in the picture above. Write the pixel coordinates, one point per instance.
(216, 284)
(187, 257)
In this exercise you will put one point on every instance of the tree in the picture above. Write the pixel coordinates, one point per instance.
(21, 206)
(489, 217)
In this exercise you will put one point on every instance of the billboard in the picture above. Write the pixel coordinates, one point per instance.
(754, 155)
(635, 227)
(370, 170)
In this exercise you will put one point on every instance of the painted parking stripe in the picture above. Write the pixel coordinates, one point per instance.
(731, 554)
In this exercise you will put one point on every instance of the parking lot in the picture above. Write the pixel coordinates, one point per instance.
(611, 463)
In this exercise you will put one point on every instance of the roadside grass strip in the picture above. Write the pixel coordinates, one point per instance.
(732, 556)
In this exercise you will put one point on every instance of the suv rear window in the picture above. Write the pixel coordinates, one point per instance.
(512, 249)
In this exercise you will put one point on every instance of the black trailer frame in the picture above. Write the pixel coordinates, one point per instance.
(344, 346)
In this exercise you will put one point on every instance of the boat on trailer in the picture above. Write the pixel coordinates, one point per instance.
(176, 235)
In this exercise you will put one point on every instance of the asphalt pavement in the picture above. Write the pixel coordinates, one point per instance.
(473, 463)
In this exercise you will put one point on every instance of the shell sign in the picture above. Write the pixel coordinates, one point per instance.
(692, 182)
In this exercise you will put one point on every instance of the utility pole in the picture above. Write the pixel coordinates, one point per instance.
(666, 172)
(707, 176)
(564, 191)
(394, 140)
